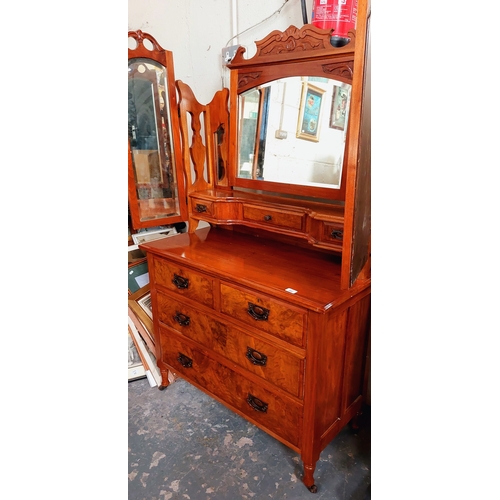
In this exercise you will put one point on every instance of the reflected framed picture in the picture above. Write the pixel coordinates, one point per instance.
(339, 111)
(311, 101)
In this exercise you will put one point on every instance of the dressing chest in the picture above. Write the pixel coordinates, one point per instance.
(266, 306)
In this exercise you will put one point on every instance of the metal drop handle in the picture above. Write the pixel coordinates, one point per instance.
(256, 357)
(184, 360)
(256, 403)
(180, 282)
(257, 312)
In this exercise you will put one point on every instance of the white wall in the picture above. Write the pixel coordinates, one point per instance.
(196, 31)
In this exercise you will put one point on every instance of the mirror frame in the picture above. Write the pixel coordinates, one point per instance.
(164, 57)
(295, 52)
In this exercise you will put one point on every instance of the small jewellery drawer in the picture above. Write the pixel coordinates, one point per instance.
(280, 415)
(183, 281)
(273, 364)
(333, 233)
(264, 313)
(273, 217)
(201, 207)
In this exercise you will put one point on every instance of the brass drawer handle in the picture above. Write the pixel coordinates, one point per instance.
(184, 360)
(256, 357)
(180, 282)
(182, 319)
(256, 403)
(336, 234)
(258, 313)
(268, 217)
(200, 208)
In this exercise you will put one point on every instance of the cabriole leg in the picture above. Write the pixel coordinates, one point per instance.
(308, 479)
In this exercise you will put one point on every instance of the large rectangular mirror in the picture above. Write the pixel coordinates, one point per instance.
(293, 131)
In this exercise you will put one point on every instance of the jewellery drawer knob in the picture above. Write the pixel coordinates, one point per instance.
(258, 313)
(180, 282)
(256, 403)
(337, 235)
(268, 217)
(256, 357)
(182, 319)
(184, 360)
(200, 208)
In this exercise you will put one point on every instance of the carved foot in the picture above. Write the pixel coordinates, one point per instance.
(313, 488)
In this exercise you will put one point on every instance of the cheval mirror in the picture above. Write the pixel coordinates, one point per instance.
(155, 179)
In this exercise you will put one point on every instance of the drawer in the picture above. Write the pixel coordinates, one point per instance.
(333, 233)
(276, 414)
(264, 313)
(183, 281)
(201, 207)
(262, 358)
(273, 217)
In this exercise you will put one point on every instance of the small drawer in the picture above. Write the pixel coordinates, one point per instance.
(183, 281)
(333, 233)
(273, 217)
(200, 207)
(264, 313)
(280, 415)
(265, 360)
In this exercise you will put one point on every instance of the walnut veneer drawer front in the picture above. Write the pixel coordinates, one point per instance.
(273, 217)
(202, 207)
(279, 415)
(264, 313)
(333, 233)
(184, 281)
(273, 364)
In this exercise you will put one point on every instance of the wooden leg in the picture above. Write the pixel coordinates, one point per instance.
(355, 421)
(164, 380)
(308, 479)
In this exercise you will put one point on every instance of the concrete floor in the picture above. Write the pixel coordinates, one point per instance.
(184, 445)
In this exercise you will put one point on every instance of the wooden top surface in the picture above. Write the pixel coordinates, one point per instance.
(263, 264)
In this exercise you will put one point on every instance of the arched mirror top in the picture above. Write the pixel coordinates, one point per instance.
(156, 197)
(293, 100)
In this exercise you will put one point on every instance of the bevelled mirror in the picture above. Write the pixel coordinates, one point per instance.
(293, 117)
(293, 131)
(156, 185)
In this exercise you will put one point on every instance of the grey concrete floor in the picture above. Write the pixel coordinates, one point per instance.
(185, 445)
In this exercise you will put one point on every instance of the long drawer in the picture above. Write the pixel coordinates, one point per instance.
(276, 414)
(276, 365)
(264, 313)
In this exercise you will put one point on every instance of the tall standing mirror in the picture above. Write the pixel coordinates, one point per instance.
(156, 191)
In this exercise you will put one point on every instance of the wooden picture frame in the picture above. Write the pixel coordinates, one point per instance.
(138, 275)
(137, 304)
(339, 111)
(311, 103)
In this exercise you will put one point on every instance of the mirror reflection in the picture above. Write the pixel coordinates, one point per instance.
(293, 130)
(149, 132)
